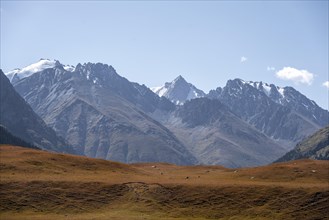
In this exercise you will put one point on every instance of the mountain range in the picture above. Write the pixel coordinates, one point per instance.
(215, 135)
(282, 113)
(104, 115)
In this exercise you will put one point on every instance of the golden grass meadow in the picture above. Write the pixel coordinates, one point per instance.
(42, 185)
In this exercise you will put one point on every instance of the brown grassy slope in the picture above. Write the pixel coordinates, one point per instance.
(38, 185)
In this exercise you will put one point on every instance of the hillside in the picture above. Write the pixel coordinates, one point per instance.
(7, 138)
(314, 147)
(38, 185)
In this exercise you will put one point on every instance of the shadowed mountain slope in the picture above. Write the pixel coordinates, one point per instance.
(21, 121)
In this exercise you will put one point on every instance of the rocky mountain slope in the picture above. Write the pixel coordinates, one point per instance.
(314, 147)
(102, 114)
(272, 111)
(291, 98)
(21, 121)
(217, 136)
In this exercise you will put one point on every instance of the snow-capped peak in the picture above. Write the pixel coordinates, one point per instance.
(69, 68)
(178, 78)
(266, 88)
(39, 66)
(178, 91)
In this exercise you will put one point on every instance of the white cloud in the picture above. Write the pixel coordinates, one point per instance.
(270, 68)
(295, 75)
(243, 59)
(326, 84)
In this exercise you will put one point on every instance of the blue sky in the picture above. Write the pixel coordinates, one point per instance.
(207, 42)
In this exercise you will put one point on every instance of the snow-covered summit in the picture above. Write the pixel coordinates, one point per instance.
(39, 66)
(285, 96)
(178, 91)
(269, 89)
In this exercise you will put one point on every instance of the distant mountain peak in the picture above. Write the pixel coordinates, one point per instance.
(274, 110)
(178, 91)
(272, 91)
(179, 78)
(286, 96)
(18, 74)
(268, 89)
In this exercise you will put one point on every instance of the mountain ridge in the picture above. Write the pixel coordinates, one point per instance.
(281, 122)
(104, 115)
(101, 114)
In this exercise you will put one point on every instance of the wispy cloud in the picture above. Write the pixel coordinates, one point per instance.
(326, 84)
(270, 68)
(243, 59)
(295, 75)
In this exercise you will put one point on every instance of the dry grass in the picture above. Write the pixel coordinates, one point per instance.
(39, 185)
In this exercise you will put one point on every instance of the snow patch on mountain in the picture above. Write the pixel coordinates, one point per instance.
(178, 91)
(69, 68)
(281, 91)
(193, 94)
(42, 64)
(266, 88)
(160, 90)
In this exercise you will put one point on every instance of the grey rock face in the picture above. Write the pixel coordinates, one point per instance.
(217, 136)
(103, 115)
(302, 105)
(20, 120)
(268, 110)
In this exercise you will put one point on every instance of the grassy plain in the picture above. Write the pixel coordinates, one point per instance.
(42, 185)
